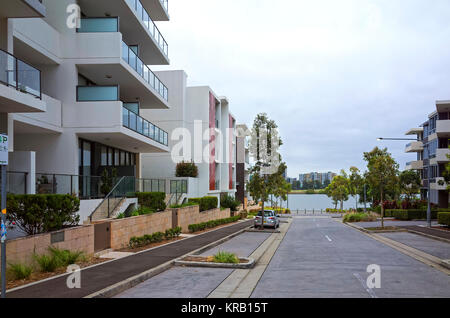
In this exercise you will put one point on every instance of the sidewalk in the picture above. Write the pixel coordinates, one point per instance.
(102, 276)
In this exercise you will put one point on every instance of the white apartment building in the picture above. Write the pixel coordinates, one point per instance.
(207, 118)
(242, 162)
(73, 99)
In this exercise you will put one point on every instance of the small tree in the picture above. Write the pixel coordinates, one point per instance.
(108, 181)
(355, 183)
(382, 173)
(338, 190)
(186, 170)
(410, 183)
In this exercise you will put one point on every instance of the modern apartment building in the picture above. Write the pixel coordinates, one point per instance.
(210, 141)
(316, 176)
(432, 149)
(242, 162)
(72, 97)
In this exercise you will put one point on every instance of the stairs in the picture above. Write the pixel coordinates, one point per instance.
(101, 213)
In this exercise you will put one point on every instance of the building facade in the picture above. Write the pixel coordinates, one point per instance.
(210, 141)
(432, 150)
(73, 91)
(242, 163)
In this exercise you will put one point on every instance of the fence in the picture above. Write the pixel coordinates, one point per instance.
(16, 182)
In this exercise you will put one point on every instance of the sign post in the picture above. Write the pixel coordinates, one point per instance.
(3, 165)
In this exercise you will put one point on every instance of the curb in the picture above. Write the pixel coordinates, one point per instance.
(446, 263)
(418, 255)
(437, 238)
(262, 231)
(250, 264)
(131, 282)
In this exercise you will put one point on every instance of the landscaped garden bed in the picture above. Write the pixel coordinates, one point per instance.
(386, 229)
(46, 266)
(220, 260)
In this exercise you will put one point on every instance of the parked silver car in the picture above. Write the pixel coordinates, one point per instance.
(271, 219)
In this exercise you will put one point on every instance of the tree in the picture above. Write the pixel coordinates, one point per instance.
(355, 183)
(382, 173)
(108, 181)
(410, 183)
(264, 181)
(338, 189)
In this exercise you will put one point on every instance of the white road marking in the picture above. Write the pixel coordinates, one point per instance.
(328, 238)
(363, 283)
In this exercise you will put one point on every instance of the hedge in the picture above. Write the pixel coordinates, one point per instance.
(444, 218)
(212, 224)
(152, 200)
(205, 203)
(407, 215)
(42, 213)
(158, 237)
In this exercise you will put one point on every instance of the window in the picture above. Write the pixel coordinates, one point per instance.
(116, 157)
(122, 158)
(110, 157)
(104, 156)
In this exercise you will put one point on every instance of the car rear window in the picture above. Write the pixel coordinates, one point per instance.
(266, 213)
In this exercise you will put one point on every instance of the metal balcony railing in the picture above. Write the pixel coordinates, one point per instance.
(142, 126)
(20, 75)
(129, 56)
(144, 17)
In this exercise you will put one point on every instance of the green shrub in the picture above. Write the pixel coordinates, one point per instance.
(411, 214)
(212, 224)
(195, 200)
(158, 237)
(143, 210)
(135, 213)
(20, 271)
(180, 206)
(121, 216)
(358, 217)
(47, 263)
(42, 213)
(186, 170)
(66, 257)
(228, 202)
(444, 218)
(226, 258)
(208, 203)
(152, 200)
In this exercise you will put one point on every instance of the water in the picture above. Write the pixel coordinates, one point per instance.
(317, 202)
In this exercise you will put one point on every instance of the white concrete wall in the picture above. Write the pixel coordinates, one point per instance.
(24, 161)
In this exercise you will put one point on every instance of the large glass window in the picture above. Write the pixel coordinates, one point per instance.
(104, 156)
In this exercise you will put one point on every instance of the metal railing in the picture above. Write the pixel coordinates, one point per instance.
(150, 185)
(144, 17)
(131, 58)
(85, 187)
(20, 75)
(113, 199)
(142, 126)
(16, 182)
(102, 24)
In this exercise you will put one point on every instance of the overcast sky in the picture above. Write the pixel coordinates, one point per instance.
(334, 75)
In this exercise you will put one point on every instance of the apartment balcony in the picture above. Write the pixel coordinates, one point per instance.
(22, 9)
(135, 24)
(158, 9)
(414, 165)
(414, 147)
(48, 122)
(443, 128)
(20, 86)
(442, 155)
(99, 115)
(438, 184)
(106, 60)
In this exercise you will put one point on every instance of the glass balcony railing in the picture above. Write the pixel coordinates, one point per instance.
(104, 24)
(143, 15)
(165, 4)
(97, 93)
(129, 56)
(140, 125)
(20, 75)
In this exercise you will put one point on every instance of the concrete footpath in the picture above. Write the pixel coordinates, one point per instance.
(104, 275)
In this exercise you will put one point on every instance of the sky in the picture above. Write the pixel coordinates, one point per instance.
(334, 75)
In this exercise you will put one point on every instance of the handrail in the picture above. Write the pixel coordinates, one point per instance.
(106, 198)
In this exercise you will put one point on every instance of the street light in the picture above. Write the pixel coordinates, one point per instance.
(428, 175)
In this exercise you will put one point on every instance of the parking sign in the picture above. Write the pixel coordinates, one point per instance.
(3, 150)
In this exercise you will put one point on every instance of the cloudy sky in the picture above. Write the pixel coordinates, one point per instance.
(334, 75)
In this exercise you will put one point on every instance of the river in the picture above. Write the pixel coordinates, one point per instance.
(316, 201)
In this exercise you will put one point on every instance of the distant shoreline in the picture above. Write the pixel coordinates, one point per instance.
(309, 192)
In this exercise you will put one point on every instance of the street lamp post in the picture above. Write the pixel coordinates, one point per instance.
(428, 176)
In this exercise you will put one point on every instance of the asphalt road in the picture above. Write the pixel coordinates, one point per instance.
(320, 257)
